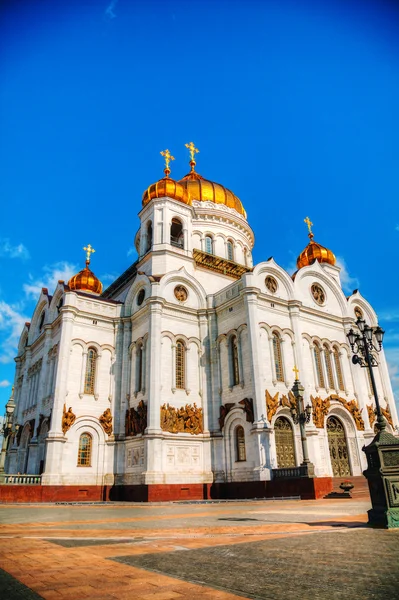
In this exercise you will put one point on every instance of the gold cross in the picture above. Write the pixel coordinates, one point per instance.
(192, 149)
(168, 157)
(296, 371)
(89, 250)
(309, 224)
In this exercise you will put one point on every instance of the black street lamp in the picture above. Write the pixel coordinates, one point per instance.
(382, 454)
(363, 344)
(301, 415)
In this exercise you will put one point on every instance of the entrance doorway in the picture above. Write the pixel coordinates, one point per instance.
(338, 447)
(285, 447)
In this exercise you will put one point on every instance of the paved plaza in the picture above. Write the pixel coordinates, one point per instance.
(227, 550)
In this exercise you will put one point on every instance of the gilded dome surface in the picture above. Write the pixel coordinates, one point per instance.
(314, 251)
(85, 280)
(166, 187)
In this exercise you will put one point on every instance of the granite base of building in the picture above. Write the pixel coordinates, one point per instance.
(308, 489)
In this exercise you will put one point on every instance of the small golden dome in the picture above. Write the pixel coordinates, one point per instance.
(166, 187)
(314, 251)
(85, 280)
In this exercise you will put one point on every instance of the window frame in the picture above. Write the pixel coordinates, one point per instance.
(328, 365)
(91, 372)
(180, 365)
(338, 369)
(210, 238)
(230, 246)
(234, 360)
(278, 357)
(87, 458)
(240, 446)
(319, 366)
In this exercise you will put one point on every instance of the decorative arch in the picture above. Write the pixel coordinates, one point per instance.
(317, 272)
(285, 442)
(239, 438)
(338, 447)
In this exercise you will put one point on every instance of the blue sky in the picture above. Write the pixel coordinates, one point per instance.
(293, 105)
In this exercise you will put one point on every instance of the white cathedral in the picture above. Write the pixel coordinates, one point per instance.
(175, 382)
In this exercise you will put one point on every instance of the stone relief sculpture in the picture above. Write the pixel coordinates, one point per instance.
(136, 419)
(224, 410)
(68, 419)
(106, 421)
(248, 408)
(187, 419)
(387, 414)
(272, 404)
(320, 410)
(371, 413)
(288, 401)
(353, 408)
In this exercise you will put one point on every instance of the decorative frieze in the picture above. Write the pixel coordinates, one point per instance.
(106, 421)
(387, 414)
(136, 419)
(353, 408)
(272, 404)
(187, 419)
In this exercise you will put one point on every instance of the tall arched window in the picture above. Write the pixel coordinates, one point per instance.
(84, 452)
(41, 322)
(230, 250)
(180, 366)
(149, 236)
(240, 444)
(278, 358)
(235, 369)
(319, 367)
(208, 244)
(140, 368)
(327, 360)
(90, 376)
(338, 369)
(176, 233)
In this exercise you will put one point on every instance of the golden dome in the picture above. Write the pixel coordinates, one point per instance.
(314, 251)
(85, 280)
(166, 187)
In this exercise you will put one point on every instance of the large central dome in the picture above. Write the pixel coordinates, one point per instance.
(204, 190)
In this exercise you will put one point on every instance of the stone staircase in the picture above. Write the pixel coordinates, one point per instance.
(361, 489)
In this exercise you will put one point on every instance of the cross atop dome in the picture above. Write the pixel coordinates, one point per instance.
(309, 224)
(89, 250)
(193, 151)
(168, 157)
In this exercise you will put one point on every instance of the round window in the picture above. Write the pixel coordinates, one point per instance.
(318, 294)
(181, 293)
(271, 284)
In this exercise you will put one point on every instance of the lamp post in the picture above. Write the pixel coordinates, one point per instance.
(363, 344)
(7, 427)
(301, 415)
(382, 454)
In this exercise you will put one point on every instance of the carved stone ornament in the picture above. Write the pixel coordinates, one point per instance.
(353, 408)
(288, 401)
(318, 294)
(136, 419)
(224, 410)
(358, 312)
(106, 421)
(187, 419)
(320, 410)
(248, 408)
(272, 404)
(181, 293)
(271, 284)
(371, 413)
(387, 414)
(68, 419)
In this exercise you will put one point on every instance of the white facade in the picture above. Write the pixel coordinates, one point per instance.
(136, 347)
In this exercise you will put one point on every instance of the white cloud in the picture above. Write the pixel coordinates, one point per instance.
(10, 251)
(5, 383)
(11, 323)
(109, 11)
(389, 314)
(108, 277)
(348, 282)
(52, 274)
(132, 252)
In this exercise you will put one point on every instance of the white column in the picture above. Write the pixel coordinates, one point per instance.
(133, 354)
(83, 373)
(251, 302)
(174, 368)
(154, 376)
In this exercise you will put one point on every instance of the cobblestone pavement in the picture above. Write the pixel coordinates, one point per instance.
(222, 551)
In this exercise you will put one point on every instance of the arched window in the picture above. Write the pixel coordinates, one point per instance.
(327, 360)
(240, 444)
(176, 233)
(140, 368)
(149, 236)
(84, 452)
(180, 366)
(60, 304)
(338, 369)
(278, 359)
(208, 244)
(319, 367)
(230, 250)
(90, 376)
(246, 258)
(235, 370)
(41, 322)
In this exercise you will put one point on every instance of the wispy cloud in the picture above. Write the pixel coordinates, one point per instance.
(7, 250)
(11, 323)
(108, 277)
(132, 252)
(5, 383)
(389, 314)
(109, 12)
(52, 274)
(348, 282)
